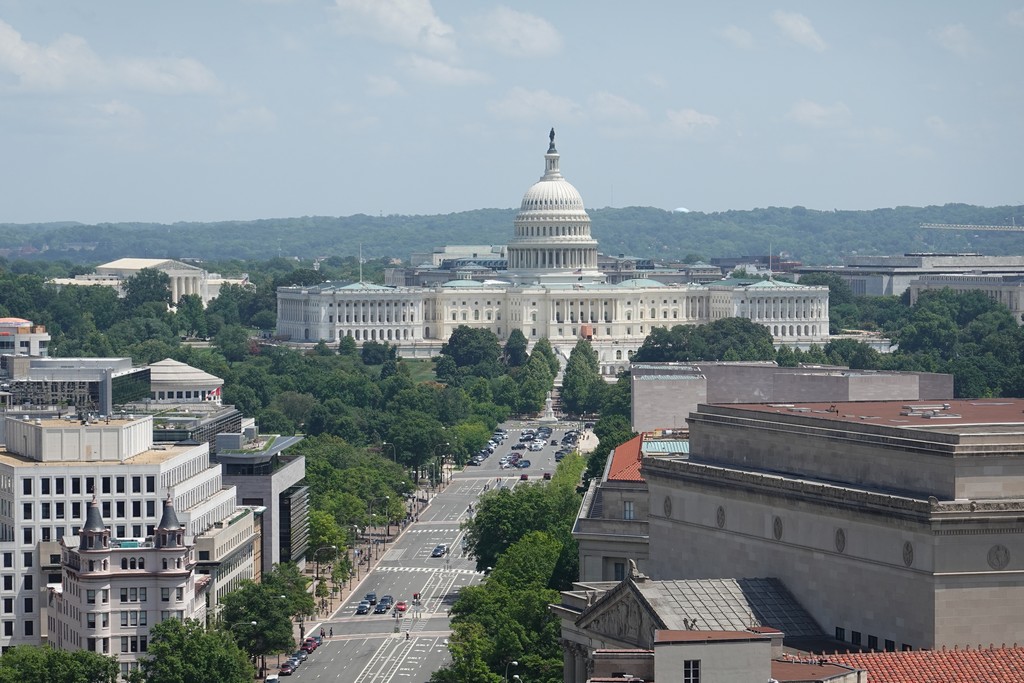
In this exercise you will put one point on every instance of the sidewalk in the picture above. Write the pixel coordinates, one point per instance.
(313, 624)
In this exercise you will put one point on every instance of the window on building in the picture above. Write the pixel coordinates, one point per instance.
(150, 484)
(8, 628)
(691, 671)
(106, 484)
(26, 510)
(28, 582)
(26, 559)
(29, 605)
(165, 595)
(30, 628)
(620, 571)
(136, 508)
(8, 582)
(26, 486)
(76, 485)
(58, 486)
(873, 643)
(150, 508)
(8, 605)
(27, 535)
(44, 486)
(890, 645)
(90, 484)
(44, 511)
(136, 484)
(627, 510)
(120, 510)
(855, 637)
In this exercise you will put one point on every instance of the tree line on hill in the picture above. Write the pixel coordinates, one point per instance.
(812, 236)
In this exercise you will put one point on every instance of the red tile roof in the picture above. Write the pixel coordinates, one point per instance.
(993, 665)
(626, 461)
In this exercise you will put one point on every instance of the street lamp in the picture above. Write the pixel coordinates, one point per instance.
(316, 553)
(394, 451)
(371, 502)
(512, 663)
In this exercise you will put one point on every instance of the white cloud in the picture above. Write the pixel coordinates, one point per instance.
(120, 111)
(442, 73)
(799, 29)
(688, 121)
(955, 38)
(939, 128)
(383, 86)
(1016, 17)
(413, 24)
(608, 107)
(533, 105)
(739, 37)
(516, 34)
(810, 113)
(68, 63)
(257, 119)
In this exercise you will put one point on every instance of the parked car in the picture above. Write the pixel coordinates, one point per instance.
(524, 477)
(363, 607)
(523, 464)
(371, 598)
(519, 447)
(439, 551)
(547, 476)
(300, 655)
(286, 669)
(401, 605)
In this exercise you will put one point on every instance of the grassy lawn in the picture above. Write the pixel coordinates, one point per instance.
(421, 369)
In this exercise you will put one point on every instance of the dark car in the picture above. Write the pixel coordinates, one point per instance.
(371, 598)
(547, 476)
(524, 477)
(381, 608)
(519, 447)
(523, 464)
(300, 655)
(363, 607)
(439, 551)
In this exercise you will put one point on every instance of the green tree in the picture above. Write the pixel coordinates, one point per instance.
(582, 384)
(185, 652)
(43, 664)
(543, 349)
(147, 286)
(470, 649)
(190, 317)
(515, 354)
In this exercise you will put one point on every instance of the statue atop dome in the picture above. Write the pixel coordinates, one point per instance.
(551, 137)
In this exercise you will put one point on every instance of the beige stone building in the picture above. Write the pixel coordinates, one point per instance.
(898, 524)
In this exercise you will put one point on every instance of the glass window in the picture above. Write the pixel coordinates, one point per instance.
(691, 671)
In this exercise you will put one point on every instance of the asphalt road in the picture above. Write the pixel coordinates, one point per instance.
(381, 648)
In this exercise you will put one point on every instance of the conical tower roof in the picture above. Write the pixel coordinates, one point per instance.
(93, 520)
(169, 520)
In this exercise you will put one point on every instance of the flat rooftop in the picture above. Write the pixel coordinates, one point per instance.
(153, 456)
(955, 416)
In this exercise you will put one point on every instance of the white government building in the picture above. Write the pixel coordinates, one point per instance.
(185, 278)
(552, 288)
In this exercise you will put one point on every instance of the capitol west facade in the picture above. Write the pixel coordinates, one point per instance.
(552, 288)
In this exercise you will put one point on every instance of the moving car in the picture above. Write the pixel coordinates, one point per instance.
(363, 607)
(387, 600)
(401, 605)
(370, 598)
(439, 551)
(381, 608)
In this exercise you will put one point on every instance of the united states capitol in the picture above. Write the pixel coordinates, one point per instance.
(546, 283)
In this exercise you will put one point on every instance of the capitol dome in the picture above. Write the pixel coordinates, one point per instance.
(552, 230)
(552, 194)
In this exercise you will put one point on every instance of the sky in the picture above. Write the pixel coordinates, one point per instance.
(194, 110)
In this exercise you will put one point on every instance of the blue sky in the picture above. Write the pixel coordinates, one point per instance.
(164, 111)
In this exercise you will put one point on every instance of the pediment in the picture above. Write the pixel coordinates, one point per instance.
(621, 617)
